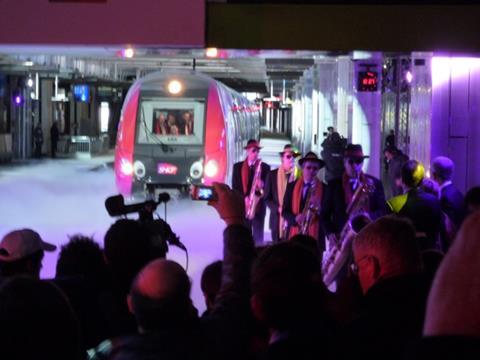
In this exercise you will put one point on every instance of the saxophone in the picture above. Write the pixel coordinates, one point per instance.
(308, 211)
(256, 192)
(339, 251)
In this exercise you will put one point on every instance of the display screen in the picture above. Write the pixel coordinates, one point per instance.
(367, 81)
(81, 93)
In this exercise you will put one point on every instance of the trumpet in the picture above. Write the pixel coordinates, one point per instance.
(256, 192)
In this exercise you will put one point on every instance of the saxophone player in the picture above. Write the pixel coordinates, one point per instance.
(303, 199)
(275, 189)
(339, 192)
(250, 186)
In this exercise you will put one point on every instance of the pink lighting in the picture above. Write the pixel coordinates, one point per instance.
(409, 77)
(128, 53)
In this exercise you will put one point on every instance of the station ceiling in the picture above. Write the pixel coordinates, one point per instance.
(243, 70)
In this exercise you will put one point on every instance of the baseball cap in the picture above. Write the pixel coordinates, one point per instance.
(22, 243)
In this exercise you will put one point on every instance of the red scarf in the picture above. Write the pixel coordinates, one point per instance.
(296, 201)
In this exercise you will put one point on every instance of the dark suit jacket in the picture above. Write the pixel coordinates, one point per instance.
(453, 204)
(391, 317)
(237, 177)
(287, 211)
(271, 198)
(334, 208)
(424, 211)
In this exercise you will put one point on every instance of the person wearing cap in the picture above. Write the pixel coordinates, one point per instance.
(422, 208)
(242, 181)
(339, 192)
(21, 253)
(275, 189)
(295, 205)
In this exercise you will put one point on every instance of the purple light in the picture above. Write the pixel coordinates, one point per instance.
(409, 77)
(455, 67)
(18, 100)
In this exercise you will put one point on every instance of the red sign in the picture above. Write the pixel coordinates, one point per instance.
(367, 81)
(167, 169)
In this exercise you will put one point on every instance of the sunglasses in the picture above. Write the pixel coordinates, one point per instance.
(313, 168)
(288, 156)
(355, 161)
(255, 150)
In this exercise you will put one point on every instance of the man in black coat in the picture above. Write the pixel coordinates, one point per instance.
(422, 208)
(451, 199)
(275, 189)
(395, 159)
(54, 136)
(243, 180)
(388, 264)
(339, 192)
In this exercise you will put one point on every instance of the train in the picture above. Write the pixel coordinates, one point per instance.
(181, 128)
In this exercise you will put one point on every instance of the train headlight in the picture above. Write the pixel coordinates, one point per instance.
(126, 167)
(211, 168)
(196, 170)
(174, 87)
(139, 169)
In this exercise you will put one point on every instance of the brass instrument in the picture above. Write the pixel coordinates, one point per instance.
(339, 251)
(308, 211)
(256, 192)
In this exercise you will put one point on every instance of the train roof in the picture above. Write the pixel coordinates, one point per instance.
(194, 79)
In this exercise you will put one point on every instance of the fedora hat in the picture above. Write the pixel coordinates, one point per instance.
(311, 156)
(354, 151)
(290, 148)
(252, 143)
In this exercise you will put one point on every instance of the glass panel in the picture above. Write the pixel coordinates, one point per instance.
(166, 121)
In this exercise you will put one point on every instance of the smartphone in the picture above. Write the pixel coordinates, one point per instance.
(201, 192)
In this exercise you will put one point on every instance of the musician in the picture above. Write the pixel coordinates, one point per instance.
(275, 189)
(297, 195)
(339, 193)
(242, 181)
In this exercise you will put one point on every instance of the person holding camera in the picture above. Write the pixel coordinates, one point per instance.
(249, 178)
(159, 298)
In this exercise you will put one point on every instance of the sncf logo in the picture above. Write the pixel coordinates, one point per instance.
(167, 169)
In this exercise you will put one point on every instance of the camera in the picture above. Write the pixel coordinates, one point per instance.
(161, 234)
(201, 192)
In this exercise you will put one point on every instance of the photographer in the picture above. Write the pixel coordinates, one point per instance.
(159, 298)
(332, 153)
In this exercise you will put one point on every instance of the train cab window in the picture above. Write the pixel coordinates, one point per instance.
(171, 122)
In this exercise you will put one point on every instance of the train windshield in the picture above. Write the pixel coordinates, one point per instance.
(167, 121)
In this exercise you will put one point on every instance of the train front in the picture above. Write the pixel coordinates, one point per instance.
(164, 138)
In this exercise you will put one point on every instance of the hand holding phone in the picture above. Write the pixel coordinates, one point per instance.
(201, 192)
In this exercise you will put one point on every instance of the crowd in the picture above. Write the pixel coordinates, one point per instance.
(407, 289)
